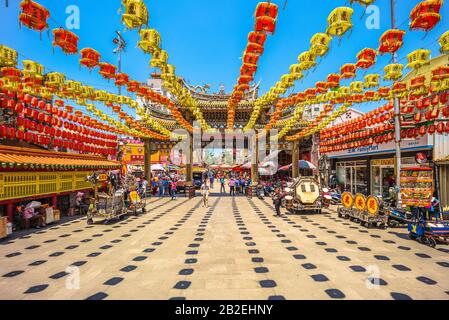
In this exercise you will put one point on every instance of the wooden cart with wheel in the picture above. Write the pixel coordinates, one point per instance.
(107, 208)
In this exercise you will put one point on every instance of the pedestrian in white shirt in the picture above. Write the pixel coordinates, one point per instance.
(205, 193)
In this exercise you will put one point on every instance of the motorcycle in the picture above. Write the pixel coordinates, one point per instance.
(326, 198)
(260, 193)
(396, 216)
(336, 197)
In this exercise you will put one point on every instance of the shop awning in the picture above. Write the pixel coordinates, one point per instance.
(27, 158)
(443, 161)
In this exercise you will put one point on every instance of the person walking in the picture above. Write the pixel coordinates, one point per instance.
(205, 193)
(173, 187)
(160, 186)
(211, 179)
(277, 201)
(222, 184)
(232, 187)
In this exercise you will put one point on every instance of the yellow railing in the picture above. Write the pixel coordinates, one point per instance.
(15, 185)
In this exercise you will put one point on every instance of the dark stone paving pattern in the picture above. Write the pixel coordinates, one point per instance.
(326, 257)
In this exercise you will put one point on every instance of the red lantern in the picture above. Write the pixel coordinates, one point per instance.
(121, 79)
(333, 80)
(33, 15)
(107, 70)
(391, 41)
(348, 71)
(266, 15)
(254, 48)
(133, 86)
(321, 87)
(66, 40)
(11, 73)
(441, 72)
(248, 70)
(250, 58)
(258, 38)
(422, 130)
(90, 58)
(366, 58)
(310, 93)
(426, 15)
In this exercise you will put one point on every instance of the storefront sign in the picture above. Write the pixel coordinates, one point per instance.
(421, 158)
(383, 162)
(422, 142)
(347, 200)
(360, 202)
(372, 205)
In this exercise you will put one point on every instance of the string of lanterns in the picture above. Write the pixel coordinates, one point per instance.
(35, 16)
(391, 41)
(265, 23)
(150, 42)
(339, 22)
(33, 82)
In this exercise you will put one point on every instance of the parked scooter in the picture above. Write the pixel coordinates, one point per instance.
(396, 216)
(260, 193)
(326, 198)
(336, 197)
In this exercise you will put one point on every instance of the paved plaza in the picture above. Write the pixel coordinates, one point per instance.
(236, 249)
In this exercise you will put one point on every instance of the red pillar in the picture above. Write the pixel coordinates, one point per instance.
(54, 202)
(10, 211)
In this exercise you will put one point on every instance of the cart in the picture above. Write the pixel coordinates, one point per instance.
(107, 208)
(135, 204)
(428, 232)
(304, 196)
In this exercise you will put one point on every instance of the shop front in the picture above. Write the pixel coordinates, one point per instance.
(43, 180)
(371, 170)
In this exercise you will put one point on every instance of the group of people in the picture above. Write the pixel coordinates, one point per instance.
(163, 185)
(236, 184)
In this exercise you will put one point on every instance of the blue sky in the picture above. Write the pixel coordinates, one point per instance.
(205, 39)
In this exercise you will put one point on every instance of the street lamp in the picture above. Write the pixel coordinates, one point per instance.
(121, 45)
(397, 119)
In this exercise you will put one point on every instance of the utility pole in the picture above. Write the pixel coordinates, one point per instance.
(121, 45)
(397, 118)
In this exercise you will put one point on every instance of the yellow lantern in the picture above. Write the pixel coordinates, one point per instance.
(444, 42)
(306, 60)
(371, 80)
(54, 80)
(393, 71)
(8, 57)
(363, 2)
(331, 95)
(71, 87)
(135, 15)
(343, 92)
(81, 101)
(46, 93)
(100, 95)
(418, 58)
(339, 21)
(32, 68)
(288, 80)
(168, 73)
(296, 72)
(150, 40)
(159, 59)
(356, 87)
(87, 92)
(9, 85)
(319, 44)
